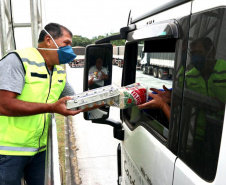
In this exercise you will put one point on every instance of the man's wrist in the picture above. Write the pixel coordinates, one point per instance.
(50, 107)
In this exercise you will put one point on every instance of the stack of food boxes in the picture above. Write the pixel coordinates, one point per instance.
(122, 97)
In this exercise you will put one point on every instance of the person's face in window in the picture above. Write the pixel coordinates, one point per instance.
(99, 63)
(198, 55)
(198, 49)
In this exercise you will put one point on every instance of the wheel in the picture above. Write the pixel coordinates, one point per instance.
(143, 69)
(149, 71)
(160, 73)
(155, 72)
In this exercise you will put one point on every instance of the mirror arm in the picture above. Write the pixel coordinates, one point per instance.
(108, 39)
(123, 34)
(118, 129)
(125, 30)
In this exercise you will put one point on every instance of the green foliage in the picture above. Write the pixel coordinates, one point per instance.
(78, 40)
(118, 42)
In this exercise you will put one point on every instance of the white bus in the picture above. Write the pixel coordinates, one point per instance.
(189, 147)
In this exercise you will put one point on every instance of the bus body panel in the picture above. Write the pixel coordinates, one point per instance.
(151, 160)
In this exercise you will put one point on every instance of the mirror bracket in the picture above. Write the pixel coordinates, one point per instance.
(118, 131)
(123, 34)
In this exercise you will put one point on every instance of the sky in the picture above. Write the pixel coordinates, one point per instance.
(87, 18)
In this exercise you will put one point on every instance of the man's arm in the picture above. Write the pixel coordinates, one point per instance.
(11, 85)
(11, 106)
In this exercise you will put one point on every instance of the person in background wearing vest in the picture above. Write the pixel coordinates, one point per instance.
(205, 85)
(32, 85)
(207, 77)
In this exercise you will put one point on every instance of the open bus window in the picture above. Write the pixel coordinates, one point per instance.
(154, 68)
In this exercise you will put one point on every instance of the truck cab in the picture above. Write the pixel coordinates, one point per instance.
(189, 147)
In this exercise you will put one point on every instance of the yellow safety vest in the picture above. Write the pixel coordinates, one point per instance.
(215, 87)
(27, 135)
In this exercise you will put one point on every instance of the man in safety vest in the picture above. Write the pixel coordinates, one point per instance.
(208, 76)
(206, 85)
(31, 82)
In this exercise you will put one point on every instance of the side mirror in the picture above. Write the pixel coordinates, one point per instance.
(97, 73)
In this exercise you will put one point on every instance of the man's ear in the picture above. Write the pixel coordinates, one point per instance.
(47, 40)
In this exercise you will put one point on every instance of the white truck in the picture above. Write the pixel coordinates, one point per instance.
(79, 60)
(118, 55)
(160, 65)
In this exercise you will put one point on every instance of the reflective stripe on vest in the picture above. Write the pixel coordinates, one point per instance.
(20, 149)
(33, 62)
(216, 84)
(27, 135)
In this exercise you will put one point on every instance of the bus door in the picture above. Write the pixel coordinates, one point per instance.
(149, 149)
(201, 153)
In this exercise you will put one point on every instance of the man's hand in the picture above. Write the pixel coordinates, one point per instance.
(60, 107)
(156, 103)
(165, 95)
(91, 82)
(103, 76)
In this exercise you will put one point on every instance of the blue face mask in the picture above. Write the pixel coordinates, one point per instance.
(198, 61)
(65, 53)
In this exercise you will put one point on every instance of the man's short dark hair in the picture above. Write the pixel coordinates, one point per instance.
(206, 42)
(54, 29)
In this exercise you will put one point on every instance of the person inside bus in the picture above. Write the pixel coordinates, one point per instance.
(97, 74)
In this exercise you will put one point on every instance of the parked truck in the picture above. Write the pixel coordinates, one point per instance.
(160, 65)
(79, 60)
(118, 55)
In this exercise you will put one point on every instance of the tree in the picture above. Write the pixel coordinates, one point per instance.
(78, 40)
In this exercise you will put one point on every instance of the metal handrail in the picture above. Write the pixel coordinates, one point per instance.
(52, 169)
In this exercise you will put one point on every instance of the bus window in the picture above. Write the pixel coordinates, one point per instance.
(154, 69)
(204, 94)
